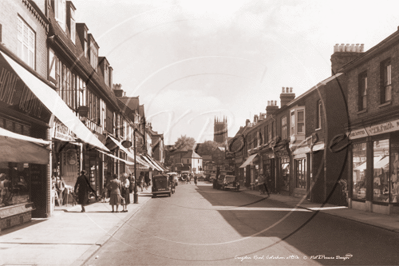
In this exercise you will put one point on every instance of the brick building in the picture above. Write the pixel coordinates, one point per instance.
(373, 128)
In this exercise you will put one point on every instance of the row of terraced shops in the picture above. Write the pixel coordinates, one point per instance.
(336, 143)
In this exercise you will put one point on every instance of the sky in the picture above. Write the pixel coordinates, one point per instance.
(190, 61)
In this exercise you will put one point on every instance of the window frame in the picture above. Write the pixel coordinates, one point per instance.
(25, 42)
(294, 121)
(284, 127)
(362, 91)
(319, 115)
(385, 81)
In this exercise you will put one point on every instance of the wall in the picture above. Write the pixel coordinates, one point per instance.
(9, 11)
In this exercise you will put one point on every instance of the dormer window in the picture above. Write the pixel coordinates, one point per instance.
(93, 53)
(72, 21)
(60, 12)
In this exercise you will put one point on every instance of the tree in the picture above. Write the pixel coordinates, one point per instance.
(184, 142)
(207, 148)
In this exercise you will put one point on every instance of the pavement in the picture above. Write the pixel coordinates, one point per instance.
(388, 222)
(70, 237)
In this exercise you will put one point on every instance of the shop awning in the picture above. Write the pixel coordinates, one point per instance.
(117, 158)
(22, 149)
(156, 163)
(152, 164)
(55, 104)
(318, 146)
(248, 160)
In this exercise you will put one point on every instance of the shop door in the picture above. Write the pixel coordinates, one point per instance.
(248, 176)
(38, 174)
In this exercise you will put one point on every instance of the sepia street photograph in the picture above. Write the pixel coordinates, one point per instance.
(199, 132)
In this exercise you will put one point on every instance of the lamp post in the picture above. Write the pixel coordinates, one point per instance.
(135, 195)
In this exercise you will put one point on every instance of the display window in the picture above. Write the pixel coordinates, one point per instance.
(359, 162)
(393, 175)
(381, 170)
(14, 183)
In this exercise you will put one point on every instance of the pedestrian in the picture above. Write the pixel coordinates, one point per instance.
(195, 179)
(132, 183)
(147, 180)
(115, 198)
(141, 181)
(82, 188)
(125, 192)
(60, 187)
(106, 191)
(189, 179)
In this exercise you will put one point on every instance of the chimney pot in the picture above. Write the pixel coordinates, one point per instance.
(275, 103)
(342, 47)
(283, 89)
(336, 47)
(357, 48)
(362, 48)
(291, 90)
(353, 48)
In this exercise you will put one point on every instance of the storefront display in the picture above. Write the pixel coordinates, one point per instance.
(285, 173)
(381, 170)
(359, 161)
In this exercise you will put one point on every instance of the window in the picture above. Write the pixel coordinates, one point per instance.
(86, 44)
(300, 173)
(284, 133)
(52, 62)
(386, 85)
(297, 126)
(362, 91)
(318, 114)
(381, 170)
(93, 57)
(72, 23)
(60, 12)
(26, 43)
(359, 161)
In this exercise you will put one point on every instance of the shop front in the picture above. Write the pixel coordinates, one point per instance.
(268, 170)
(24, 157)
(283, 166)
(35, 108)
(374, 184)
(251, 168)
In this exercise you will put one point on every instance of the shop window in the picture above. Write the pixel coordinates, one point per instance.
(14, 183)
(26, 43)
(381, 170)
(393, 178)
(300, 173)
(386, 85)
(359, 161)
(362, 92)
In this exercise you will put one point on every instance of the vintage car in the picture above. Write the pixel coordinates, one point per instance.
(227, 182)
(161, 185)
(175, 177)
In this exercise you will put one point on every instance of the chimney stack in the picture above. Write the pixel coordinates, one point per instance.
(247, 122)
(343, 54)
(118, 90)
(286, 96)
(271, 108)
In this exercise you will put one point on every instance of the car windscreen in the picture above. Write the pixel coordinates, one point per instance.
(230, 178)
(160, 182)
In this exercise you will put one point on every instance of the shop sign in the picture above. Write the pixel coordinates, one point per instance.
(268, 156)
(94, 127)
(62, 132)
(374, 130)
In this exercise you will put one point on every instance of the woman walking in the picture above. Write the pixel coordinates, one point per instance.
(115, 186)
(82, 188)
(125, 192)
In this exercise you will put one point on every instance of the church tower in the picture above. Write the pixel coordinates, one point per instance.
(220, 130)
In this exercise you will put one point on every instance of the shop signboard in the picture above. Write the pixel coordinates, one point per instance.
(62, 132)
(373, 130)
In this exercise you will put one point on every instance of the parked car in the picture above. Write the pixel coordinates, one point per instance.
(184, 175)
(161, 185)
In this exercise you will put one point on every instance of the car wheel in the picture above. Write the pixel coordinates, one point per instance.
(170, 194)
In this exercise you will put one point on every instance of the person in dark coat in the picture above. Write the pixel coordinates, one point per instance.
(82, 187)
